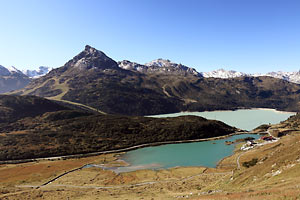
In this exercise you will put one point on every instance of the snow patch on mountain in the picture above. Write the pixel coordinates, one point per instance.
(125, 64)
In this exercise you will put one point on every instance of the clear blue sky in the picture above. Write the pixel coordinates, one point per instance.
(244, 35)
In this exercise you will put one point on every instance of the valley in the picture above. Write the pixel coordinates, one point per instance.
(150, 100)
(64, 134)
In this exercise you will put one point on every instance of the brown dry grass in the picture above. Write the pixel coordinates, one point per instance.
(257, 182)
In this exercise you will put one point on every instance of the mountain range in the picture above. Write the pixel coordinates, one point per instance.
(293, 77)
(166, 66)
(13, 79)
(92, 78)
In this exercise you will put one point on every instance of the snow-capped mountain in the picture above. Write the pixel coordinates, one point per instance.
(4, 71)
(37, 73)
(222, 73)
(168, 67)
(12, 79)
(13, 70)
(293, 77)
(161, 66)
(7, 71)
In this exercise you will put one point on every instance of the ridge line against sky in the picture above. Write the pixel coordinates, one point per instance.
(249, 36)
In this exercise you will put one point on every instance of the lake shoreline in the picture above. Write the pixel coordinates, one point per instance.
(242, 108)
(131, 147)
(122, 150)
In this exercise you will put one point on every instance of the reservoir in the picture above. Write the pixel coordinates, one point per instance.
(206, 153)
(243, 119)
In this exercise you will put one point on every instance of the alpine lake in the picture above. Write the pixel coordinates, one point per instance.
(204, 153)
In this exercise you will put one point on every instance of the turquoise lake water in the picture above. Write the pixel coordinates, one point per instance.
(207, 153)
(243, 119)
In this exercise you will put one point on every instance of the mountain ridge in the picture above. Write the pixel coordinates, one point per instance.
(92, 78)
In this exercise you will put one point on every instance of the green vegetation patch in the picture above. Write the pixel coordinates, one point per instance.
(250, 163)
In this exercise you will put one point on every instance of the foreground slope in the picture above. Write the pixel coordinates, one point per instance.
(46, 128)
(94, 79)
(274, 174)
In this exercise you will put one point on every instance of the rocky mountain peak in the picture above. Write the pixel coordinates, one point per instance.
(91, 58)
(91, 51)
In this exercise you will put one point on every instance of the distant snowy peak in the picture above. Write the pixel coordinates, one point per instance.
(160, 66)
(4, 71)
(222, 73)
(12, 69)
(288, 76)
(8, 71)
(293, 77)
(37, 73)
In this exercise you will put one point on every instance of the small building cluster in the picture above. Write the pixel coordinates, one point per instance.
(249, 145)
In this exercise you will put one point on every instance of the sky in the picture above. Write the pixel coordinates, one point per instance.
(243, 35)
